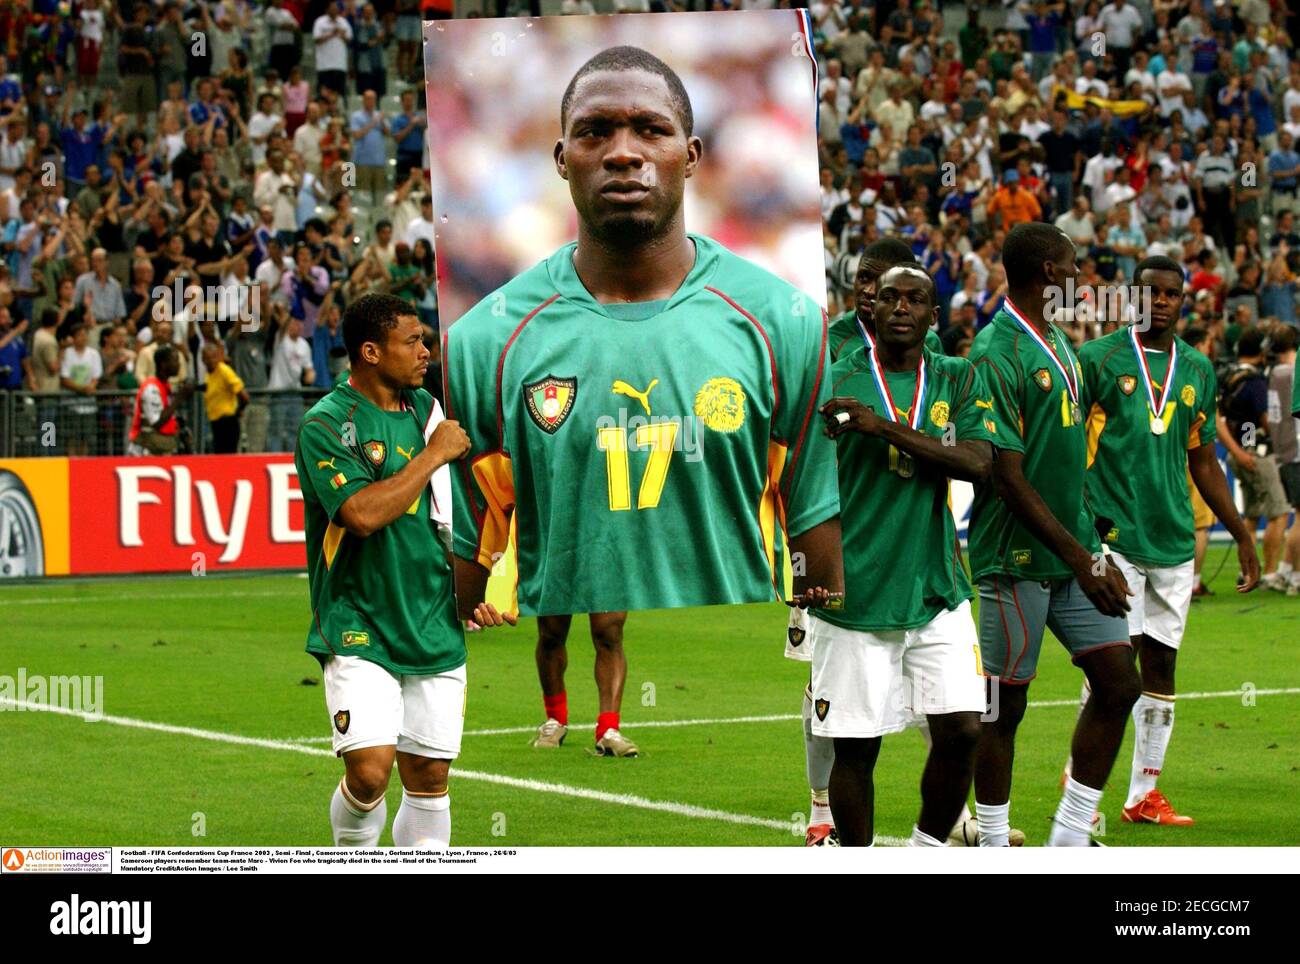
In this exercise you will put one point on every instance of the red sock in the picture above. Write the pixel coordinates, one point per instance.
(557, 707)
(606, 721)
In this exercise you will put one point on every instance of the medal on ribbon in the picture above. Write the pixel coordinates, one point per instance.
(1155, 409)
(1065, 368)
(900, 462)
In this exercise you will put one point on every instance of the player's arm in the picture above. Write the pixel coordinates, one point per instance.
(482, 483)
(969, 459)
(381, 503)
(1207, 476)
(820, 580)
(1210, 481)
(1102, 582)
(810, 483)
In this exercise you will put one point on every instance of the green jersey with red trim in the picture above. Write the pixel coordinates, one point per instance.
(388, 597)
(645, 459)
(1035, 416)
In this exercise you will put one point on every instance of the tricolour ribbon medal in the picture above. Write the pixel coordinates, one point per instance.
(1156, 412)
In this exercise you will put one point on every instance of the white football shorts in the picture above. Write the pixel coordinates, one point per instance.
(869, 684)
(369, 706)
(1161, 598)
(797, 644)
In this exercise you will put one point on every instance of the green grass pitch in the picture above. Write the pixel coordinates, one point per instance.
(218, 664)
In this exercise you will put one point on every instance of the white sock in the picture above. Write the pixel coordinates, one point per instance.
(819, 757)
(1284, 568)
(356, 824)
(423, 821)
(922, 839)
(821, 809)
(1072, 826)
(994, 822)
(1153, 723)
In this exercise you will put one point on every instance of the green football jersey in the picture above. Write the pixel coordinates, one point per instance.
(845, 337)
(1033, 411)
(644, 462)
(902, 560)
(1295, 397)
(1136, 478)
(388, 597)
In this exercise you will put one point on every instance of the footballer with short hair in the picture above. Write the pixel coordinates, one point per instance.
(1035, 553)
(1151, 421)
(640, 404)
(384, 624)
(906, 421)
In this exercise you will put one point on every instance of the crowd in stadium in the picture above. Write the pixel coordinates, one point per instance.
(265, 163)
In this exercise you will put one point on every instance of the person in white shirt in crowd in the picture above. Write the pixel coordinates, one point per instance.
(331, 34)
(291, 371)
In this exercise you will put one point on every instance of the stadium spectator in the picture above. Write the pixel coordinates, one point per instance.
(224, 398)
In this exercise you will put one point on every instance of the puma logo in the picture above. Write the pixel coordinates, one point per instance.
(325, 465)
(623, 388)
(405, 453)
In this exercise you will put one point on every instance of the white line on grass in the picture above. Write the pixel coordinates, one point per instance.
(787, 717)
(161, 596)
(538, 786)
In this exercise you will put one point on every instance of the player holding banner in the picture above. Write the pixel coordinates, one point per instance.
(904, 644)
(1034, 549)
(384, 624)
(1151, 419)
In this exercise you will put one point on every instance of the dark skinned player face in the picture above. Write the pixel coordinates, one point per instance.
(904, 309)
(403, 360)
(626, 156)
(1166, 297)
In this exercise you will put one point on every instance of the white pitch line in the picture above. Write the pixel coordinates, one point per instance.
(60, 600)
(538, 786)
(788, 717)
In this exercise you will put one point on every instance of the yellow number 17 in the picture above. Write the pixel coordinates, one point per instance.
(660, 438)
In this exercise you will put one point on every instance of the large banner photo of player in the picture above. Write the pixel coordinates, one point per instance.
(631, 288)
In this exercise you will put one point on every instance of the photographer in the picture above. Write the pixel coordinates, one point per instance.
(1244, 430)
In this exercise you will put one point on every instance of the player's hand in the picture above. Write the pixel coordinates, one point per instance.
(486, 616)
(1108, 592)
(844, 414)
(1249, 563)
(817, 597)
(449, 441)
(1247, 461)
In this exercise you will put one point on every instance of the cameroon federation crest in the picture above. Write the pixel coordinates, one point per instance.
(822, 707)
(720, 404)
(939, 413)
(1043, 379)
(375, 451)
(342, 719)
(796, 635)
(550, 401)
(1188, 395)
(1126, 384)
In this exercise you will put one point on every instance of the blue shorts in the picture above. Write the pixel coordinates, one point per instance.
(1015, 612)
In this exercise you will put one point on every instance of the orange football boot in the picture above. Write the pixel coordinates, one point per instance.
(1155, 808)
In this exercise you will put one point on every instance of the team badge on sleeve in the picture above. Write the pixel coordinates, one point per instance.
(1043, 378)
(1126, 384)
(720, 404)
(375, 452)
(550, 401)
(822, 707)
(1188, 395)
(939, 413)
(342, 719)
